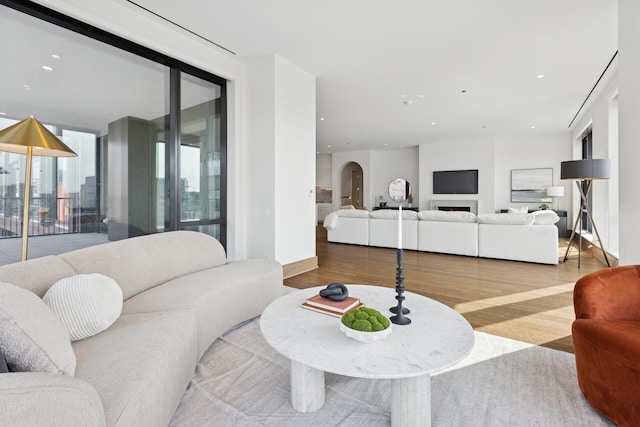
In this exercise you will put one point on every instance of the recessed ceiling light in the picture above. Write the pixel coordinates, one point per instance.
(329, 145)
(317, 152)
(27, 87)
(433, 123)
(385, 144)
(2, 113)
(403, 96)
(420, 96)
(54, 56)
(46, 67)
(540, 76)
(533, 127)
(321, 118)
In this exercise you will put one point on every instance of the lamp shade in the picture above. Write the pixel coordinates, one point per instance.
(555, 191)
(31, 133)
(585, 169)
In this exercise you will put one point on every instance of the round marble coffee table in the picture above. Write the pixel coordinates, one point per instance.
(437, 338)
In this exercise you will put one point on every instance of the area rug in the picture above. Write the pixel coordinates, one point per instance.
(241, 381)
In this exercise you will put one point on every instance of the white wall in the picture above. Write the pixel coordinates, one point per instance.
(461, 155)
(389, 165)
(323, 170)
(629, 129)
(539, 151)
(295, 174)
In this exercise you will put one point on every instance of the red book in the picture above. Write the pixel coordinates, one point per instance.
(337, 307)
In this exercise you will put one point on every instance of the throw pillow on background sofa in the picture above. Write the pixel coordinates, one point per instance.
(393, 214)
(352, 213)
(447, 216)
(545, 217)
(32, 338)
(506, 218)
(85, 303)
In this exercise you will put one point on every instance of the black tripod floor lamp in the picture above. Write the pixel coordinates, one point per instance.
(584, 172)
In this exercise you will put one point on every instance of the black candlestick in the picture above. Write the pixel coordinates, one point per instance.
(400, 318)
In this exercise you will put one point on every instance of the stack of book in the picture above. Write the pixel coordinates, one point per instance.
(330, 307)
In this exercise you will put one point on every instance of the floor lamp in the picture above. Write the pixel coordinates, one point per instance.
(31, 138)
(585, 171)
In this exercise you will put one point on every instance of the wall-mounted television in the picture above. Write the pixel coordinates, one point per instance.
(455, 182)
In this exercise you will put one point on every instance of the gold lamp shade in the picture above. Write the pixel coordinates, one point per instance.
(30, 133)
(30, 137)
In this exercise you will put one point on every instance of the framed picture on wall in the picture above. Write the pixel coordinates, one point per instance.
(530, 185)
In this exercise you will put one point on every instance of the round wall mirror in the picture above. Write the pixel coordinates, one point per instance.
(399, 190)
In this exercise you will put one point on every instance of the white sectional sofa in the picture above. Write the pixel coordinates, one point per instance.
(530, 237)
(180, 294)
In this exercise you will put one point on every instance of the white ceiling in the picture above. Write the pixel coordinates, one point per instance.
(392, 74)
(372, 56)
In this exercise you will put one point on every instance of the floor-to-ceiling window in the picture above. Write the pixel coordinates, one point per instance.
(149, 131)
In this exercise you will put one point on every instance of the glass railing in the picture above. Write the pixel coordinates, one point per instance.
(47, 216)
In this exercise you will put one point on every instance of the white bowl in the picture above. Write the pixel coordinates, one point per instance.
(365, 337)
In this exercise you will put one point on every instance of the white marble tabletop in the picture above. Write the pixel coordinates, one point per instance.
(437, 338)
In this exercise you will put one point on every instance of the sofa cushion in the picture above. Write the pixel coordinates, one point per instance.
(506, 218)
(220, 298)
(36, 275)
(31, 336)
(140, 263)
(448, 216)
(393, 214)
(352, 213)
(86, 303)
(330, 221)
(545, 217)
(140, 366)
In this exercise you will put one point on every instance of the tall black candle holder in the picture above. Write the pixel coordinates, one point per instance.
(399, 310)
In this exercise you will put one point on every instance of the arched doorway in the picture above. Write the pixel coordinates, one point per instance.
(352, 185)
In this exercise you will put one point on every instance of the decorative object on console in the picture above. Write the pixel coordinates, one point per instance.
(530, 185)
(31, 138)
(554, 192)
(584, 172)
(399, 190)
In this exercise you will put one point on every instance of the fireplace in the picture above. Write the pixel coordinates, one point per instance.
(454, 205)
(455, 208)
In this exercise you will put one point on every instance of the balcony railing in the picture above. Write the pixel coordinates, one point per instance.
(47, 216)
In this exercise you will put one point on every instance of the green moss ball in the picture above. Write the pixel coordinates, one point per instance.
(365, 319)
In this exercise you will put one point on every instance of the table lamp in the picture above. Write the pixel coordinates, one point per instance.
(555, 192)
(31, 138)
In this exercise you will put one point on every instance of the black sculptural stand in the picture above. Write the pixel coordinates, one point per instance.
(400, 318)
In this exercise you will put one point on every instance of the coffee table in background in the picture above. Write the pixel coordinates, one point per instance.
(437, 338)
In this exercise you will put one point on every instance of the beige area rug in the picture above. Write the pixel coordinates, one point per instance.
(241, 381)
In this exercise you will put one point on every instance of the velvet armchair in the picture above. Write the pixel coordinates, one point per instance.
(606, 340)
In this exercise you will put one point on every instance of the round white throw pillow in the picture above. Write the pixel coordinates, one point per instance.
(86, 303)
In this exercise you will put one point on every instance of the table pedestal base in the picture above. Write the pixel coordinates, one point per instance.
(411, 401)
(307, 388)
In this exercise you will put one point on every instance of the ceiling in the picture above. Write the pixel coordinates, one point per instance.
(398, 74)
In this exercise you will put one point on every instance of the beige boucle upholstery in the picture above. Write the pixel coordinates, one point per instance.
(180, 295)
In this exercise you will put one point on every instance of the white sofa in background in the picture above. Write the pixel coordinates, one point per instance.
(180, 294)
(448, 232)
(383, 229)
(516, 237)
(530, 237)
(351, 226)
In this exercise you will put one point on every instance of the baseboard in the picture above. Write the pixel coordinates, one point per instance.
(299, 267)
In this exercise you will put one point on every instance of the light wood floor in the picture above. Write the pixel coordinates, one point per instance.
(523, 301)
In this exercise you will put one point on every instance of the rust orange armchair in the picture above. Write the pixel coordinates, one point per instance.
(606, 341)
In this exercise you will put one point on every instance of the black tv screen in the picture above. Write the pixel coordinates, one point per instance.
(455, 182)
